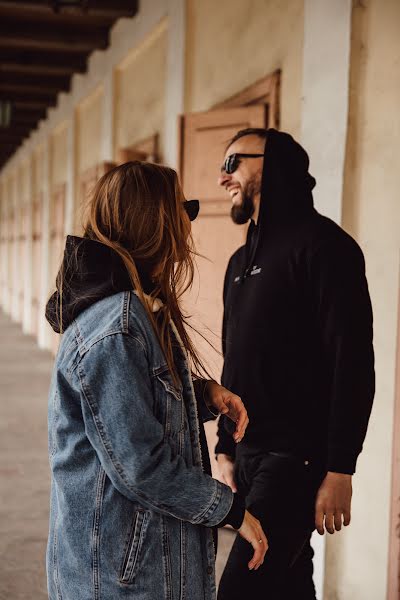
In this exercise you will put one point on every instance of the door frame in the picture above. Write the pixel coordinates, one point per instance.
(263, 91)
(393, 592)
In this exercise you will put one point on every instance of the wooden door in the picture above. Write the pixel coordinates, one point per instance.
(204, 137)
(394, 542)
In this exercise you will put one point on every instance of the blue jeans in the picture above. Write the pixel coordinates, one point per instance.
(280, 491)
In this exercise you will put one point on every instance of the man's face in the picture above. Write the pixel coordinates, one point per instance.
(244, 184)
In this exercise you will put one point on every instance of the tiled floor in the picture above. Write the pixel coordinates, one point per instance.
(24, 472)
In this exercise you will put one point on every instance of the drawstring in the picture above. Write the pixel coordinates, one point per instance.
(253, 230)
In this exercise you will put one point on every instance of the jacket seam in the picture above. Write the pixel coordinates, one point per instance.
(95, 533)
(102, 337)
(125, 312)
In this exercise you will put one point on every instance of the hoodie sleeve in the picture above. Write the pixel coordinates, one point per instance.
(205, 413)
(344, 319)
(226, 443)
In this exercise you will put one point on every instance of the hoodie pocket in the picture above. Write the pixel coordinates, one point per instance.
(131, 562)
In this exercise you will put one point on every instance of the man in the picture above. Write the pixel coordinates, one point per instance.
(297, 341)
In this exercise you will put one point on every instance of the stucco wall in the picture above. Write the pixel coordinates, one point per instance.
(357, 559)
(230, 44)
(140, 85)
(89, 130)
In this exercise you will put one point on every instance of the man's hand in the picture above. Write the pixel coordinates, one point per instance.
(226, 468)
(227, 403)
(333, 503)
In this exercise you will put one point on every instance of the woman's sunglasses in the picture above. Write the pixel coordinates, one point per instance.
(192, 208)
(233, 161)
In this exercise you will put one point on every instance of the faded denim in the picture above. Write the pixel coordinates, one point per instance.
(131, 508)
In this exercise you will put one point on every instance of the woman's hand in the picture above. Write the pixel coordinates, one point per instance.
(227, 403)
(253, 533)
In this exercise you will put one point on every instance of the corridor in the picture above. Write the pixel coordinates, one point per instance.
(24, 473)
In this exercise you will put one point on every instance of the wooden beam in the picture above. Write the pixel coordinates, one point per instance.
(108, 9)
(8, 135)
(40, 70)
(34, 101)
(26, 81)
(8, 147)
(31, 90)
(32, 106)
(17, 129)
(27, 115)
(25, 58)
(22, 35)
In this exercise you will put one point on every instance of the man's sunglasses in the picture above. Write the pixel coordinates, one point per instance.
(192, 208)
(233, 161)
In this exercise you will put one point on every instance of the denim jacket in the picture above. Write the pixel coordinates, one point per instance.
(131, 506)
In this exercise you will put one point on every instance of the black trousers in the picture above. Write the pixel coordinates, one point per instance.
(280, 491)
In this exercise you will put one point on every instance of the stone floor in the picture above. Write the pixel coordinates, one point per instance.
(24, 472)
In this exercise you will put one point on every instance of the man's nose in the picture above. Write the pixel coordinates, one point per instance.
(223, 179)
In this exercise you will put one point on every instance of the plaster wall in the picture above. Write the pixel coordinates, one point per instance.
(89, 117)
(140, 88)
(357, 559)
(230, 44)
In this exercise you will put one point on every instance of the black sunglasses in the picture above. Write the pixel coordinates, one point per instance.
(233, 160)
(192, 208)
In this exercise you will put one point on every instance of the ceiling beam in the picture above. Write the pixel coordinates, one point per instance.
(41, 87)
(108, 9)
(26, 116)
(44, 83)
(40, 69)
(44, 98)
(11, 142)
(22, 104)
(66, 61)
(21, 35)
(8, 147)
(17, 129)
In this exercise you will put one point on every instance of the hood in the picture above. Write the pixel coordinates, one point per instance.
(286, 186)
(90, 272)
(286, 190)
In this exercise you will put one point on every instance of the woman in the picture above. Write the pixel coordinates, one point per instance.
(132, 505)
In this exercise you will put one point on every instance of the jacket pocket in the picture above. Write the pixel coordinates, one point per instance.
(171, 405)
(131, 562)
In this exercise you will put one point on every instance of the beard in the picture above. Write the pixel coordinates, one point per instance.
(241, 213)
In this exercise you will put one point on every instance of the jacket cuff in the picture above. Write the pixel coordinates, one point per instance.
(342, 460)
(200, 389)
(236, 514)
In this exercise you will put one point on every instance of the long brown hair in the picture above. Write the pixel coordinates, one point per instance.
(137, 210)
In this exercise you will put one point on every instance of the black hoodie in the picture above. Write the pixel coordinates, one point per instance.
(297, 330)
